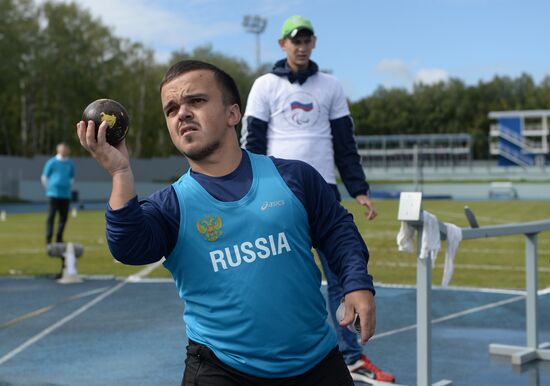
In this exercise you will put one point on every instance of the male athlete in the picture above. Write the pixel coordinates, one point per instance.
(297, 112)
(237, 231)
(58, 177)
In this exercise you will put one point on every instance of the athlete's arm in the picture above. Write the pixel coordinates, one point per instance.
(346, 157)
(333, 230)
(254, 135)
(348, 162)
(335, 234)
(46, 172)
(256, 117)
(115, 160)
(142, 232)
(72, 174)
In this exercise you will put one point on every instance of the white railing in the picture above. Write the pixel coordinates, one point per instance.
(410, 211)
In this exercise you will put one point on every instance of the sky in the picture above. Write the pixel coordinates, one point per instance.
(364, 43)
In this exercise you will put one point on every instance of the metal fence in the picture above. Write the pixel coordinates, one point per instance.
(410, 211)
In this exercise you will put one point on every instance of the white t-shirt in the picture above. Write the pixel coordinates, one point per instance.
(298, 117)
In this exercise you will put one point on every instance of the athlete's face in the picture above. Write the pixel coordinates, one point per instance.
(198, 120)
(298, 50)
(63, 150)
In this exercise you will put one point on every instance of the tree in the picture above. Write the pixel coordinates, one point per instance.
(17, 49)
(57, 58)
(387, 111)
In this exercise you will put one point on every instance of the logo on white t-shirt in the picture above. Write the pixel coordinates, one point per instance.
(301, 109)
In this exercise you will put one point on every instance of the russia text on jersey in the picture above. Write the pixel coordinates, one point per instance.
(248, 251)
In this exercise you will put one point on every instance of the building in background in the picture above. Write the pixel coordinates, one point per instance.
(405, 150)
(519, 138)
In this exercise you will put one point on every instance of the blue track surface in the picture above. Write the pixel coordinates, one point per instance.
(110, 332)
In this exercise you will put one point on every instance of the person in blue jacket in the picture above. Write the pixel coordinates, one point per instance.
(298, 112)
(236, 231)
(58, 178)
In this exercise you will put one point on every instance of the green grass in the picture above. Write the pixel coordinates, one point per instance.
(23, 250)
(494, 262)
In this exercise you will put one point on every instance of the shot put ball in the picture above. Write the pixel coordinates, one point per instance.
(113, 113)
(355, 326)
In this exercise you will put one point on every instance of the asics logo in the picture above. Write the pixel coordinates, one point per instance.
(271, 204)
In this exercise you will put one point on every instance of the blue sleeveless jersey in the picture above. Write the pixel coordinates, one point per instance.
(248, 278)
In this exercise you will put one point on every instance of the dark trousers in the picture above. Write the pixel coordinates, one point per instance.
(60, 205)
(203, 368)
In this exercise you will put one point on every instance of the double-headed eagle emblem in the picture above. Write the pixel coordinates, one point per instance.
(210, 227)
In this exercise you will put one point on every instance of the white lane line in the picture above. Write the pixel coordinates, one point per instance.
(458, 314)
(450, 316)
(44, 309)
(503, 291)
(79, 311)
(144, 272)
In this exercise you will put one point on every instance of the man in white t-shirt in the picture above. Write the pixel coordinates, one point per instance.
(297, 112)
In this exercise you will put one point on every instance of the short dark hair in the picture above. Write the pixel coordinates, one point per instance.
(229, 89)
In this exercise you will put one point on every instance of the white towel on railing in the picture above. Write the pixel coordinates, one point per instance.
(431, 239)
(431, 242)
(454, 237)
(405, 242)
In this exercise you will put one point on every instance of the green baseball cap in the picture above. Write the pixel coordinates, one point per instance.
(293, 25)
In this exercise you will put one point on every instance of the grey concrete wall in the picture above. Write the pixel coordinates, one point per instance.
(87, 190)
(87, 169)
(20, 177)
(480, 170)
(470, 191)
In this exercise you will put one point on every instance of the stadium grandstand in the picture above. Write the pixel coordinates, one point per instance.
(520, 138)
(403, 150)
